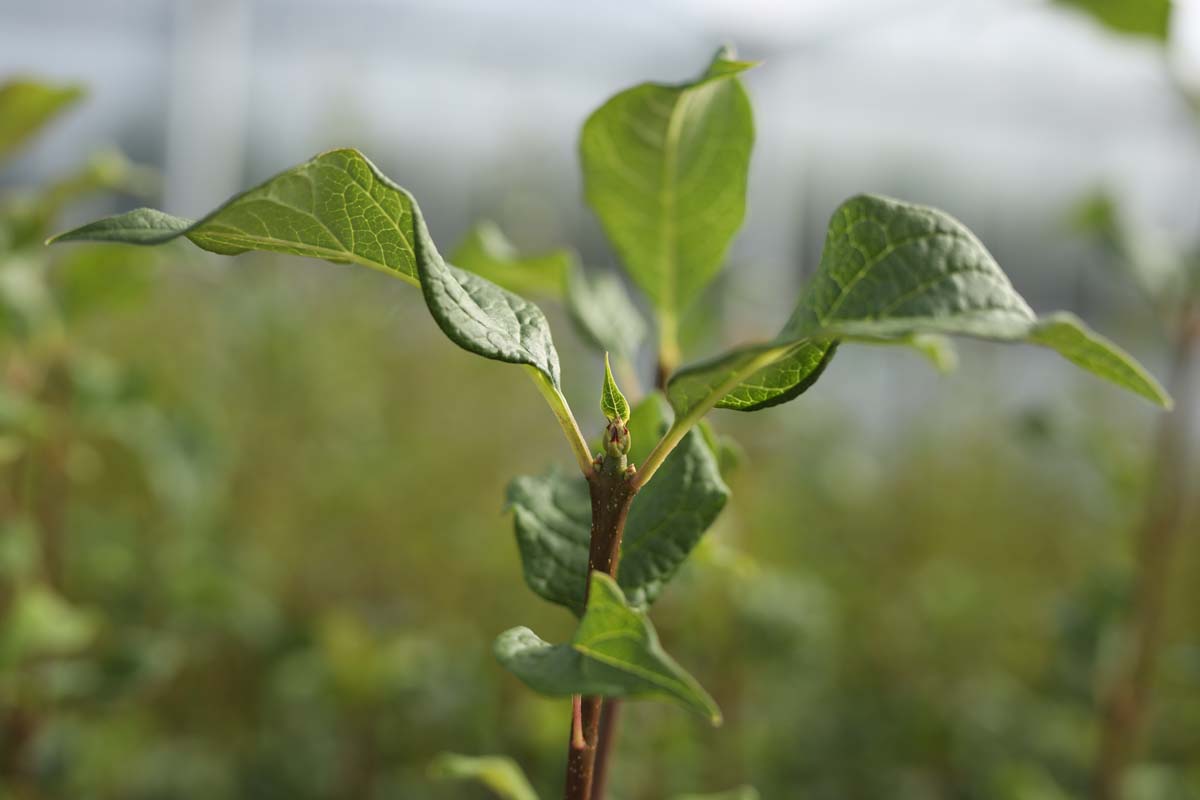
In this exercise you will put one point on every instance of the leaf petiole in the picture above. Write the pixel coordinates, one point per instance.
(566, 420)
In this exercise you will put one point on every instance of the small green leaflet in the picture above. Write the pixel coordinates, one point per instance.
(614, 653)
(500, 774)
(552, 518)
(339, 207)
(892, 271)
(613, 404)
(26, 106)
(487, 252)
(665, 169)
(1137, 17)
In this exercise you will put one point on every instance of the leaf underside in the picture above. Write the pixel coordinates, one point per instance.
(891, 271)
(339, 207)
(614, 652)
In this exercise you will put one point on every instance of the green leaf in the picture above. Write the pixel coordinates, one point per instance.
(1138, 17)
(665, 169)
(604, 312)
(499, 773)
(891, 271)
(614, 653)
(552, 519)
(479, 316)
(613, 404)
(339, 207)
(26, 106)
(487, 252)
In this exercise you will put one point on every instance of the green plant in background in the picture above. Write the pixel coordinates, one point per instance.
(61, 404)
(665, 171)
(1167, 276)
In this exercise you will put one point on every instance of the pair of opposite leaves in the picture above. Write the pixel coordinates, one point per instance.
(890, 272)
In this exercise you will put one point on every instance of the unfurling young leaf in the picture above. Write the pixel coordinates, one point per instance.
(665, 169)
(612, 403)
(500, 774)
(614, 653)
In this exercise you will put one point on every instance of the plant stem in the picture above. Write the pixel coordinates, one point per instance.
(1124, 706)
(566, 420)
(612, 494)
(610, 715)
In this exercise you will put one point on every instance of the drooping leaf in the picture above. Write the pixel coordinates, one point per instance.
(26, 106)
(487, 252)
(552, 518)
(614, 652)
(891, 271)
(613, 404)
(500, 774)
(665, 169)
(604, 313)
(339, 207)
(1138, 17)
(479, 316)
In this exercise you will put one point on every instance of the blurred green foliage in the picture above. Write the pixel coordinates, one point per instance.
(224, 538)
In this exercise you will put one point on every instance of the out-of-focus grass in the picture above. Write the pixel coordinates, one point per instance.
(298, 597)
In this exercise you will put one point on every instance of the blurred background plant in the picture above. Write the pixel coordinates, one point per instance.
(223, 545)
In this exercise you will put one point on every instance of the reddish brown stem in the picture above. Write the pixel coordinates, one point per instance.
(610, 715)
(612, 495)
(1124, 705)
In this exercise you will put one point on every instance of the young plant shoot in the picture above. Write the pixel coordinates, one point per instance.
(665, 170)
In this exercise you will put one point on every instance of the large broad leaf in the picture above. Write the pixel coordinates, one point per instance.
(500, 774)
(26, 106)
(552, 518)
(890, 271)
(339, 207)
(1139, 17)
(665, 168)
(614, 653)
